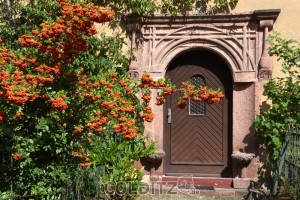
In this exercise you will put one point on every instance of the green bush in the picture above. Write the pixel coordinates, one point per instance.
(284, 96)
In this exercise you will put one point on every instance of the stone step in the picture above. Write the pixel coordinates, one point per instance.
(198, 182)
(188, 197)
(172, 187)
(170, 192)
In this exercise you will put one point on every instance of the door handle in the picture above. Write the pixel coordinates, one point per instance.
(169, 117)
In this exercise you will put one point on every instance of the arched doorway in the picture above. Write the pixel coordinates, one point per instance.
(198, 139)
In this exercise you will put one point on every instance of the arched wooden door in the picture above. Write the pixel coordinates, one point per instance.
(197, 139)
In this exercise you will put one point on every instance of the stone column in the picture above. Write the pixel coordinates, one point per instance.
(266, 22)
(133, 30)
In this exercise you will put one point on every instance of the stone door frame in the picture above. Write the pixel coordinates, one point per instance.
(238, 39)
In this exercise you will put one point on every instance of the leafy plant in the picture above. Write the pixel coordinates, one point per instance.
(173, 7)
(284, 96)
(17, 19)
(70, 118)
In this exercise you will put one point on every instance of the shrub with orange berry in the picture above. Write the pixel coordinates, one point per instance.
(67, 105)
(64, 96)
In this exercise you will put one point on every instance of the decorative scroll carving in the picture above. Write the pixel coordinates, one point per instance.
(238, 38)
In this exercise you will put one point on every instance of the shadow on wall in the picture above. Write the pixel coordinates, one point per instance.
(146, 8)
(251, 138)
(207, 7)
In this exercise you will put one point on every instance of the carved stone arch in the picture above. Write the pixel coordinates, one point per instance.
(216, 47)
(200, 30)
(216, 52)
(220, 46)
(240, 38)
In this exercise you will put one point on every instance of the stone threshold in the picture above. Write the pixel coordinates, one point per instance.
(169, 191)
(198, 182)
(168, 186)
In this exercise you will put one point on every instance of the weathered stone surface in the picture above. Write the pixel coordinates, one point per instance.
(242, 157)
(241, 183)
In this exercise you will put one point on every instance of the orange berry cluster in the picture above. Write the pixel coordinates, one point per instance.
(126, 127)
(166, 88)
(146, 83)
(17, 157)
(60, 42)
(97, 123)
(148, 114)
(204, 94)
(15, 89)
(82, 157)
(59, 103)
(115, 104)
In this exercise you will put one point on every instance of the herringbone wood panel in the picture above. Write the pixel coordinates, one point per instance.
(197, 143)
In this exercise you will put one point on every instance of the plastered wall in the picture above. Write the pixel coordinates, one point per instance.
(287, 23)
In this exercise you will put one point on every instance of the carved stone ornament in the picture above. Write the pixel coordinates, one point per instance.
(264, 74)
(134, 75)
(239, 39)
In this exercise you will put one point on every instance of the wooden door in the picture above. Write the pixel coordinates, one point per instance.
(196, 138)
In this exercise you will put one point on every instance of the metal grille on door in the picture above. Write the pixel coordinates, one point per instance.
(197, 108)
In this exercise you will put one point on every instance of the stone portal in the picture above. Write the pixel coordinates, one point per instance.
(239, 40)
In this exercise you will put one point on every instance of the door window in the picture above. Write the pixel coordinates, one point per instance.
(197, 108)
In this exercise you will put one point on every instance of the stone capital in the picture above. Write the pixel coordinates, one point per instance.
(266, 18)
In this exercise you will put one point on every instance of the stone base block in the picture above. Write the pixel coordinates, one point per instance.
(241, 183)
